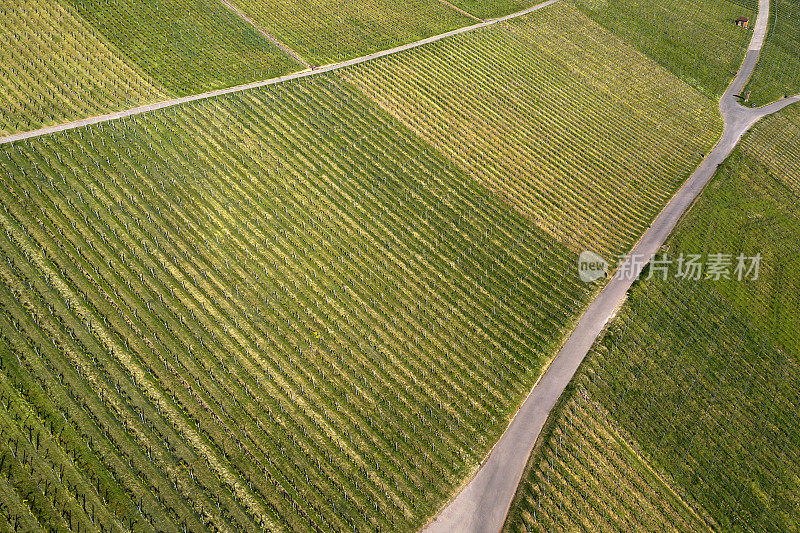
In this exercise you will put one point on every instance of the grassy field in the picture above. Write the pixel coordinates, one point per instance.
(698, 380)
(54, 67)
(326, 31)
(755, 212)
(577, 130)
(278, 309)
(697, 41)
(187, 46)
(778, 71)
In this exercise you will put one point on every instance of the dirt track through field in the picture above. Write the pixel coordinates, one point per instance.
(271, 38)
(466, 13)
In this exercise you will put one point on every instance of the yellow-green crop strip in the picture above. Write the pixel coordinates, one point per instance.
(697, 41)
(777, 74)
(55, 68)
(187, 46)
(577, 130)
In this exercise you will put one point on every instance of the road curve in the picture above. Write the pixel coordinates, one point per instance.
(482, 505)
(263, 83)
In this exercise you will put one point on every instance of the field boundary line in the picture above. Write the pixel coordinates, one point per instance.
(463, 12)
(155, 106)
(271, 38)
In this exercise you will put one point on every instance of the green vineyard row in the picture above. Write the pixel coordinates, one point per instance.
(576, 130)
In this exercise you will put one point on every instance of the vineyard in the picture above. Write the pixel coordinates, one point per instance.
(69, 59)
(683, 416)
(709, 402)
(327, 31)
(277, 309)
(316, 305)
(774, 142)
(487, 9)
(187, 46)
(778, 72)
(55, 68)
(580, 132)
(753, 207)
(589, 475)
(697, 41)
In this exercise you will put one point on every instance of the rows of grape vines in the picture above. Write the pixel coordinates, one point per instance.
(187, 46)
(588, 476)
(327, 31)
(55, 68)
(488, 9)
(707, 398)
(577, 130)
(777, 74)
(697, 41)
(775, 142)
(752, 208)
(278, 309)
(727, 413)
(698, 380)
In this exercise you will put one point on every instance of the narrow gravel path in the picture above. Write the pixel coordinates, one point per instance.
(271, 38)
(468, 14)
(483, 503)
(263, 83)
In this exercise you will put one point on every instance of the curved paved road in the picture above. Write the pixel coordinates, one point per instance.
(302, 74)
(483, 503)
